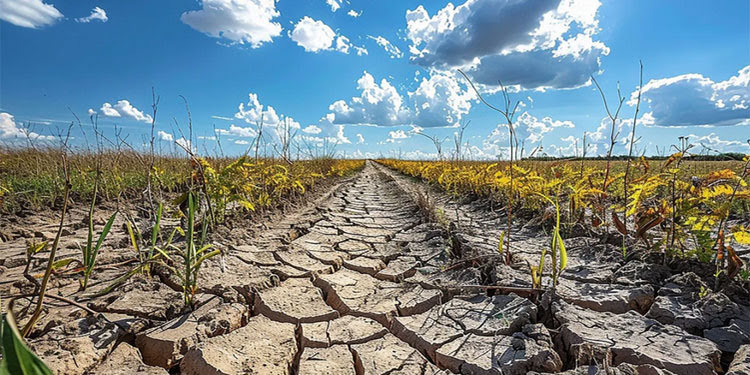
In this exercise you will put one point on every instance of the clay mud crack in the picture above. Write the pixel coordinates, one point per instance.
(360, 282)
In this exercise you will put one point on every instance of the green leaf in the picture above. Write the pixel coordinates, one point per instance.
(563, 253)
(62, 263)
(155, 229)
(18, 359)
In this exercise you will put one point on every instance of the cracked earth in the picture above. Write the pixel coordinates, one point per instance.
(357, 282)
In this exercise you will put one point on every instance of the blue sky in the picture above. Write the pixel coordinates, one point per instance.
(368, 76)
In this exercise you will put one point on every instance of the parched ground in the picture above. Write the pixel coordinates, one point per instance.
(357, 282)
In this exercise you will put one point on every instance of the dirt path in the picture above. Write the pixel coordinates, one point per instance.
(358, 284)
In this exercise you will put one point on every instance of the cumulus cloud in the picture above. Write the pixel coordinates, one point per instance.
(692, 99)
(396, 136)
(312, 129)
(340, 137)
(439, 100)
(530, 131)
(253, 112)
(360, 139)
(312, 35)
(96, 14)
(9, 129)
(378, 104)
(241, 22)
(393, 51)
(123, 108)
(315, 36)
(241, 142)
(29, 13)
(164, 136)
(334, 4)
(353, 13)
(534, 44)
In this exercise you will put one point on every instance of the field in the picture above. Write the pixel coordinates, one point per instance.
(120, 262)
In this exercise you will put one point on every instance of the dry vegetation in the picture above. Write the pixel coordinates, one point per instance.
(674, 206)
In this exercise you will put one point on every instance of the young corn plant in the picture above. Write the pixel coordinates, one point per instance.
(146, 258)
(91, 250)
(191, 255)
(557, 246)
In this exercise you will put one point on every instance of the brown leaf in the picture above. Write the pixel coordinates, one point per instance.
(619, 224)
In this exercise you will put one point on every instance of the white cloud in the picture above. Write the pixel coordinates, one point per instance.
(238, 131)
(253, 111)
(378, 104)
(29, 13)
(91, 112)
(360, 139)
(9, 129)
(312, 129)
(340, 137)
(530, 132)
(124, 108)
(440, 100)
(532, 129)
(574, 147)
(353, 13)
(185, 144)
(164, 136)
(241, 142)
(391, 49)
(396, 136)
(315, 36)
(223, 118)
(692, 99)
(312, 35)
(714, 142)
(342, 44)
(334, 4)
(242, 22)
(96, 14)
(534, 44)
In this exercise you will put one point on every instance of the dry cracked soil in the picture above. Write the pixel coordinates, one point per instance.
(356, 282)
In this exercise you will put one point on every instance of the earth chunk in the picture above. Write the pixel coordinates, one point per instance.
(606, 297)
(388, 355)
(363, 295)
(76, 347)
(498, 355)
(126, 360)
(336, 360)
(294, 301)
(345, 330)
(262, 346)
(594, 337)
(165, 345)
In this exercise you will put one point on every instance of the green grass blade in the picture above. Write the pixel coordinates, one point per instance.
(18, 359)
